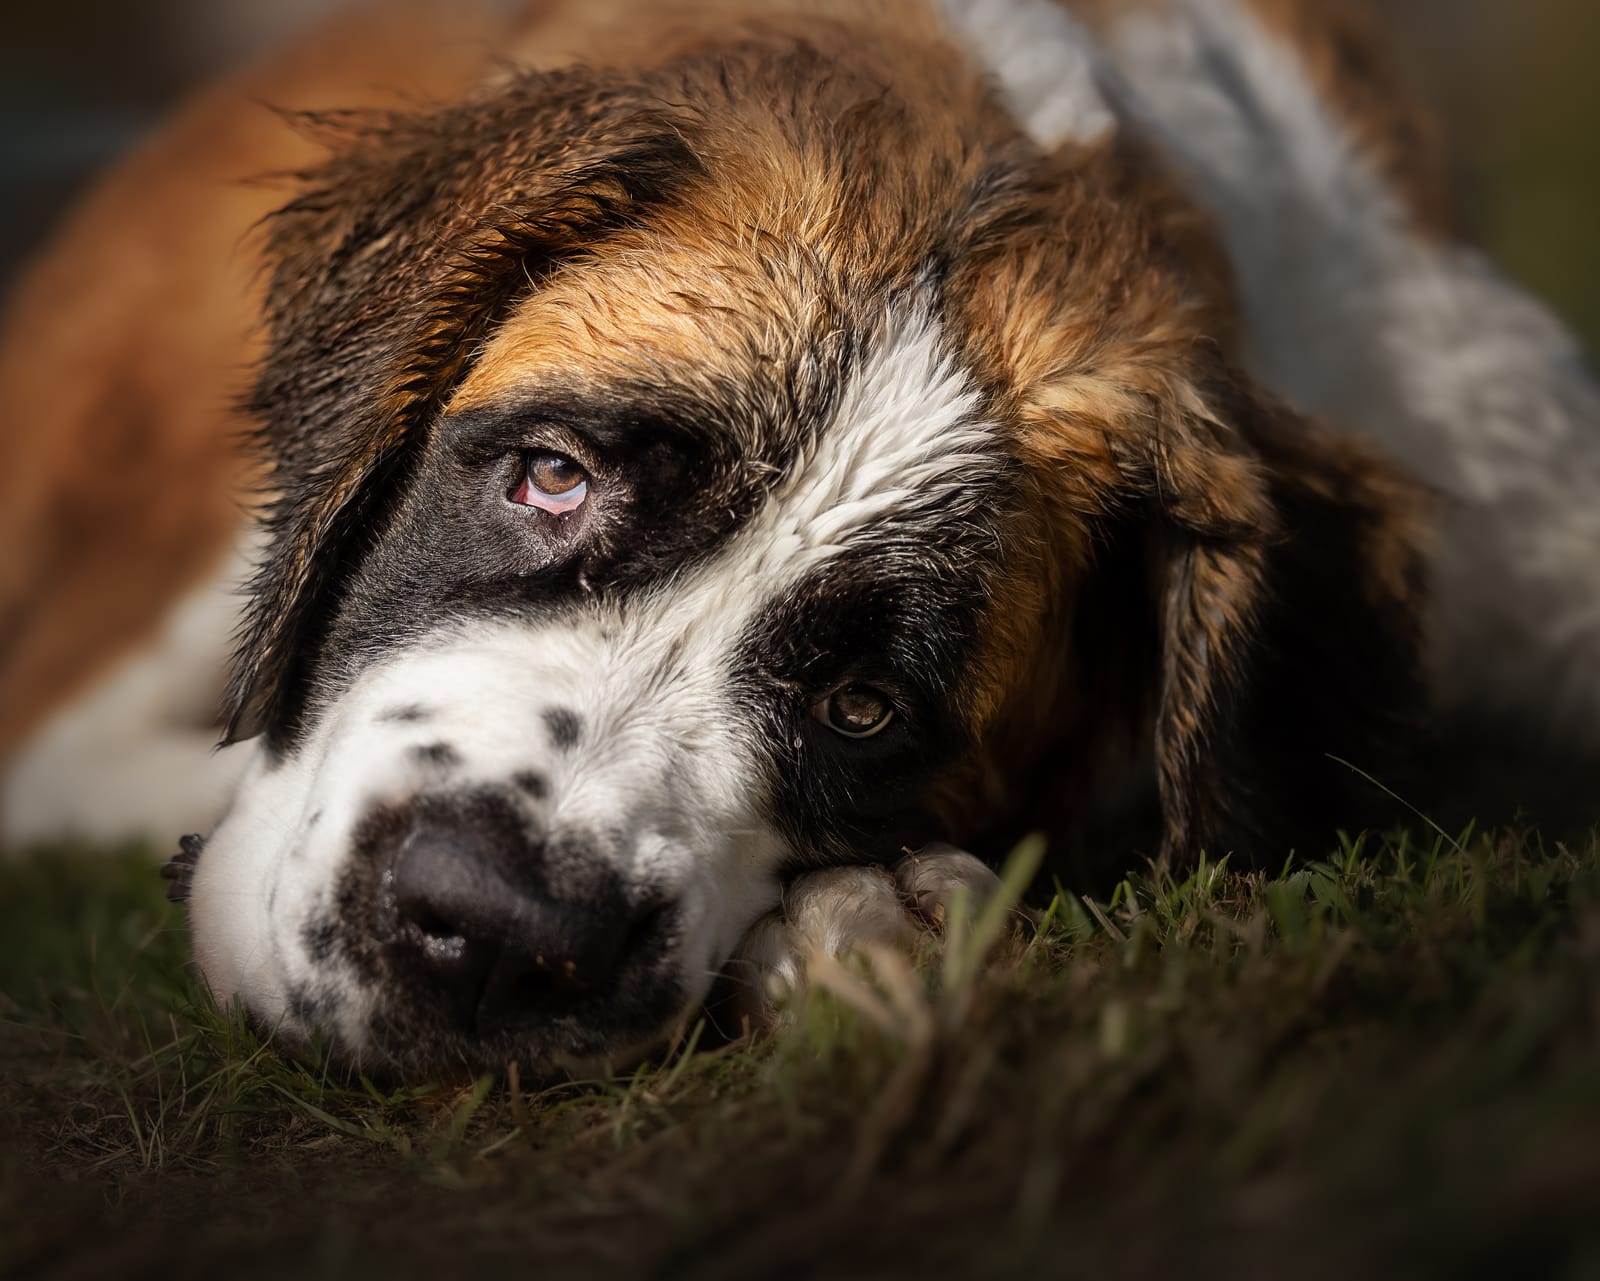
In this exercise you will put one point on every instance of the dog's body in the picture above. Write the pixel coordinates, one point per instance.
(915, 365)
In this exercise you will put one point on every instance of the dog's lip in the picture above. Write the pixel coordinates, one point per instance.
(411, 1035)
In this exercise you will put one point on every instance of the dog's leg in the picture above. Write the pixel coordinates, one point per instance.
(134, 757)
(152, 787)
(838, 909)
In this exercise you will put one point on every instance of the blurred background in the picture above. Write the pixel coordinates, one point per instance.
(1515, 83)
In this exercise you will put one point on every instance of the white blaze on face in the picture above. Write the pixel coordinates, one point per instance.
(664, 757)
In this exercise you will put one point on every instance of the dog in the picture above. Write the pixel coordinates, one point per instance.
(711, 450)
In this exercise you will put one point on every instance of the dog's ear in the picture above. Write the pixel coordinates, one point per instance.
(1285, 566)
(387, 271)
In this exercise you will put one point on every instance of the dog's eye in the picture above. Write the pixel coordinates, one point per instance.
(553, 483)
(856, 711)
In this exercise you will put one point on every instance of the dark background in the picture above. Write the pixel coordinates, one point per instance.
(1515, 82)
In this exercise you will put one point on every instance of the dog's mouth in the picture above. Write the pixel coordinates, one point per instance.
(512, 1012)
(515, 988)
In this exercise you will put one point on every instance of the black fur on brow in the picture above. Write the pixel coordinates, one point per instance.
(387, 271)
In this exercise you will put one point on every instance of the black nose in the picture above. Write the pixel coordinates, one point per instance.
(508, 931)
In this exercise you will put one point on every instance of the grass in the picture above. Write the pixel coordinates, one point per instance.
(1387, 1063)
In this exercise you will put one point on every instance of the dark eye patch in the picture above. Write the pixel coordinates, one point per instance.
(671, 478)
(890, 615)
(658, 493)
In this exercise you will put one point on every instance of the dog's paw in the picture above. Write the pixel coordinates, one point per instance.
(932, 879)
(837, 910)
(833, 912)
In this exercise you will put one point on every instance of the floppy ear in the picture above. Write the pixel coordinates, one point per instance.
(1288, 584)
(387, 271)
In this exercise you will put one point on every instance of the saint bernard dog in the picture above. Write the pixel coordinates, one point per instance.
(710, 450)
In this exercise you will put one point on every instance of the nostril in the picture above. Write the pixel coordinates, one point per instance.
(427, 924)
(419, 915)
(441, 891)
(582, 956)
(440, 941)
(531, 987)
(441, 946)
(444, 920)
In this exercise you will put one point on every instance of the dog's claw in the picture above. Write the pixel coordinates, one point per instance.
(179, 869)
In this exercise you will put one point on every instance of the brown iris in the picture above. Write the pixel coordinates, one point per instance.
(552, 483)
(856, 711)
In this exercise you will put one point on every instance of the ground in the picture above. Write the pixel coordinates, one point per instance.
(1382, 1063)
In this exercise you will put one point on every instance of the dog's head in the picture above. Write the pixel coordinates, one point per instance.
(771, 459)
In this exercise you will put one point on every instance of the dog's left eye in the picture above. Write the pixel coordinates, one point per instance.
(552, 483)
(856, 711)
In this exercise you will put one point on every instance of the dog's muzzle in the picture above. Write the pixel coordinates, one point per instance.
(424, 884)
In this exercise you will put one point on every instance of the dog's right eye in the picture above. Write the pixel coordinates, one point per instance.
(551, 483)
(856, 711)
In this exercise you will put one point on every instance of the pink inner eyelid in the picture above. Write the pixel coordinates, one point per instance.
(530, 495)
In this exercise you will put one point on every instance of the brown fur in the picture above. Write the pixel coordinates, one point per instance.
(123, 350)
(462, 209)
(1195, 572)
(696, 280)
(1179, 520)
